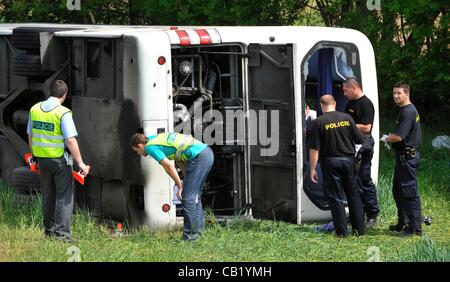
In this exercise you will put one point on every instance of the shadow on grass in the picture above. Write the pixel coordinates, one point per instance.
(382, 232)
(266, 226)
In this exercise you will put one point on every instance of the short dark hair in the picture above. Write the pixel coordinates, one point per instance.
(138, 138)
(58, 88)
(404, 85)
(352, 81)
(311, 102)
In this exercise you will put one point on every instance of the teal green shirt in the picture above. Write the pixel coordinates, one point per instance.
(159, 152)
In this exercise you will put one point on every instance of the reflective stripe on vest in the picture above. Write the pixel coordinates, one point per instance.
(47, 137)
(179, 141)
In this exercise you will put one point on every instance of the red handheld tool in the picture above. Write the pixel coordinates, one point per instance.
(78, 177)
(31, 162)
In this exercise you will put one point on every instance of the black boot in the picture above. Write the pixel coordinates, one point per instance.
(397, 227)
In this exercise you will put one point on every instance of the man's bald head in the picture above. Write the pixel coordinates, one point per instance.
(327, 100)
(327, 103)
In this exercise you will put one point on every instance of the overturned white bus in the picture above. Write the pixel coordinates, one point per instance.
(126, 79)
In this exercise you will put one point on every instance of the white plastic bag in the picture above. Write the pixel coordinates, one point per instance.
(442, 141)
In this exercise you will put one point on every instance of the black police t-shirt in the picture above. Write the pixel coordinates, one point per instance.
(407, 126)
(335, 135)
(361, 110)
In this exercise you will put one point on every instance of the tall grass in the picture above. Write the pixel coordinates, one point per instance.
(250, 240)
(22, 211)
(425, 250)
(21, 231)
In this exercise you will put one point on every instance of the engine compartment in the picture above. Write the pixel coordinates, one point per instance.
(207, 89)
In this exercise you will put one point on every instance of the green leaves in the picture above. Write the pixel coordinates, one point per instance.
(156, 12)
(410, 37)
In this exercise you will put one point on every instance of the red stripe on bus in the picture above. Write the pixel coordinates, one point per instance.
(184, 37)
(205, 38)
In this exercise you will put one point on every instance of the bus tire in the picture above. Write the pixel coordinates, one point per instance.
(25, 181)
(26, 39)
(29, 65)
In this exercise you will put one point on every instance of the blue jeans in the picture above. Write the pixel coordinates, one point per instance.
(197, 171)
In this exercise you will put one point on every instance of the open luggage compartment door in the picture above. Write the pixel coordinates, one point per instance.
(273, 171)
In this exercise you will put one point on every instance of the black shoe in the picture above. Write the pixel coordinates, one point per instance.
(66, 239)
(371, 222)
(397, 227)
(358, 233)
(408, 233)
(191, 237)
(49, 235)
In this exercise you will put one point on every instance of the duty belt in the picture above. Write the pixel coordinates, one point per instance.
(408, 152)
(349, 158)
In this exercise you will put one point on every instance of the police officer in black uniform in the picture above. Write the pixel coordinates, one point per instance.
(361, 109)
(333, 139)
(405, 140)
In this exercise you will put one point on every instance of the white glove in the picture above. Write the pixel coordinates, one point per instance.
(357, 147)
(386, 144)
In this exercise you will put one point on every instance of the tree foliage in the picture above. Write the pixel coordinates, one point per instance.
(410, 37)
(223, 12)
(92, 12)
(155, 12)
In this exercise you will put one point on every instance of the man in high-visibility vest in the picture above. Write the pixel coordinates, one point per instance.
(197, 158)
(51, 131)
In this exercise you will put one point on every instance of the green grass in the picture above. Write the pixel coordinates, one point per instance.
(21, 229)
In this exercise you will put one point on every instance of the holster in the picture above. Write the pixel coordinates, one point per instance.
(406, 154)
(409, 152)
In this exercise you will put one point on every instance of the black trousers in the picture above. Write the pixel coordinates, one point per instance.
(57, 196)
(339, 182)
(406, 192)
(366, 185)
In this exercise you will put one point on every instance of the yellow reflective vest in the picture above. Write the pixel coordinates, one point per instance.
(47, 137)
(179, 141)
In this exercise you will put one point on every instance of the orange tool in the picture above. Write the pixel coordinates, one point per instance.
(31, 162)
(78, 177)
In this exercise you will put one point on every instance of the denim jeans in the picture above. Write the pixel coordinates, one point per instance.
(197, 171)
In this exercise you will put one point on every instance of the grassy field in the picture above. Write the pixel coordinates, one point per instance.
(21, 231)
